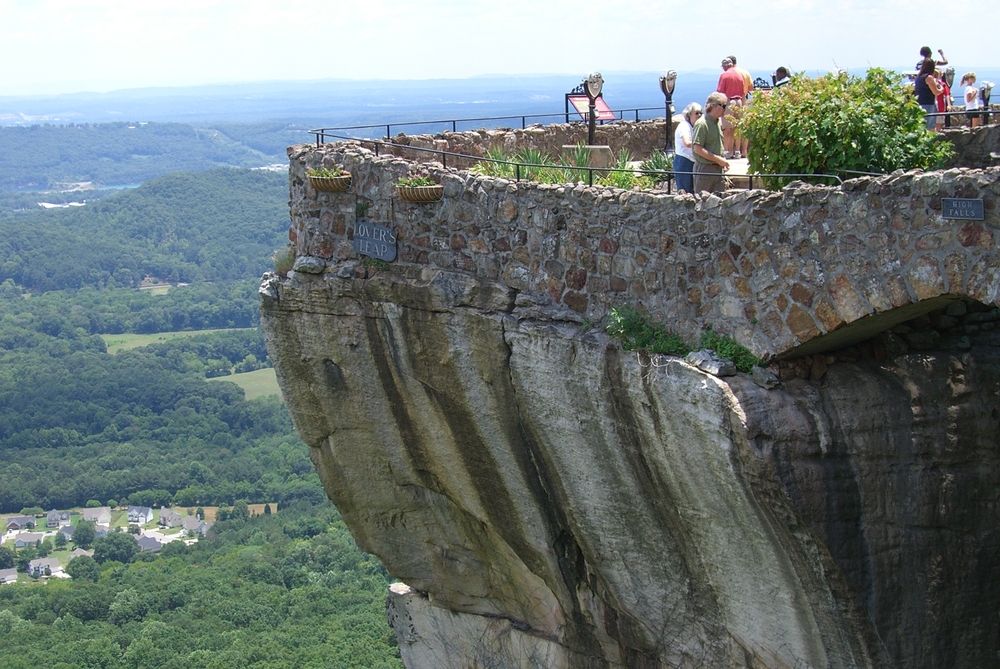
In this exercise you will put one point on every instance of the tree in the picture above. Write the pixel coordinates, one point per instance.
(7, 558)
(92, 504)
(60, 540)
(84, 534)
(837, 124)
(117, 546)
(83, 568)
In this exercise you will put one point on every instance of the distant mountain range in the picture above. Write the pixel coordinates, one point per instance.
(345, 102)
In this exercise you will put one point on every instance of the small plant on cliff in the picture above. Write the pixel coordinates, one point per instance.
(283, 260)
(325, 172)
(635, 331)
(416, 181)
(729, 348)
(837, 124)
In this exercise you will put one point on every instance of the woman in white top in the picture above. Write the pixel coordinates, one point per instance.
(683, 154)
(971, 99)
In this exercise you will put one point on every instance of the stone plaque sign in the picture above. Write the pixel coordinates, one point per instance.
(965, 208)
(374, 240)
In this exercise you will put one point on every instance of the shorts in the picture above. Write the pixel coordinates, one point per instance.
(733, 112)
(973, 114)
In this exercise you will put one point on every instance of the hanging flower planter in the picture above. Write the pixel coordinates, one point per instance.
(330, 180)
(419, 189)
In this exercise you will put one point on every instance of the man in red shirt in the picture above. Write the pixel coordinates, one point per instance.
(732, 85)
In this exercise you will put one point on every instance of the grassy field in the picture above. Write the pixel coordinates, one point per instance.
(258, 383)
(123, 342)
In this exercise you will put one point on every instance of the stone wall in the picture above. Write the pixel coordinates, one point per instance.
(639, 139)
(774, 270)
(975, 148)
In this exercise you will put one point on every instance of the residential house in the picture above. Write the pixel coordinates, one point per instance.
(44, 567)
(170, 518)
(67, 532)
(8, 576)
(25, 539)
(139, 515)
(195, 524)
(100, 515)
(21, 523)
(149, 544)
(57, 518)
(77, 552)
(101, 530)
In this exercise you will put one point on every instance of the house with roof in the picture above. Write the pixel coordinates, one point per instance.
(27, 539)
(8, 576)
(149, 544)
(77, 552)
(195, 524)
(44, 567)
(139, 515)
(21, 523)
(170, 518)
(67, 532)
(101, 515)
(57, 518)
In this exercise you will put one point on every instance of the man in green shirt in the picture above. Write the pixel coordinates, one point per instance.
(706, 143)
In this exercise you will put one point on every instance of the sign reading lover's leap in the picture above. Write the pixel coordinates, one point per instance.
(375, 241)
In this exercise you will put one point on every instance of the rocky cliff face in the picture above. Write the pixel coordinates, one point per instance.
(548, 500)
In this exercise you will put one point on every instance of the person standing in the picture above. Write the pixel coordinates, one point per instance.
(925, 54)
(706, 144)
(684, 155)
(971, 97)
(926, 89)
(741, 145)
(781, 77)
(943, 99)
(731, 85)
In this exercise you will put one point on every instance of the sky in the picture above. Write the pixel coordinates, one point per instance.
(67, 46)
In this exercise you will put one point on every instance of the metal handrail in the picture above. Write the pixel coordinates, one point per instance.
(590, 170)
(321, 133)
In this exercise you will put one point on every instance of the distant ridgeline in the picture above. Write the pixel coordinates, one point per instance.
(58, 157)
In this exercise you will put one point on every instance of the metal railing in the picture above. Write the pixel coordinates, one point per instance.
(523, 171)
(988, 116)
(322, 133)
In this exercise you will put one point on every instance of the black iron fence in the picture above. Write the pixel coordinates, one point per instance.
(633, 114)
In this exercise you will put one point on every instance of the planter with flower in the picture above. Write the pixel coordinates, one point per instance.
(329, 179)
(419, 189)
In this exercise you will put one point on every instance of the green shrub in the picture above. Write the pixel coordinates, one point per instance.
(622, 176)
(727, 347)
(283, 260)
(635, 331)
(836, 124)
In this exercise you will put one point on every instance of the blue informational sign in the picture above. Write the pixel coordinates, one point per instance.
(374, 241)
(964, 208)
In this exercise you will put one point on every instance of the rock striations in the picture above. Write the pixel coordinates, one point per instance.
(548, 500)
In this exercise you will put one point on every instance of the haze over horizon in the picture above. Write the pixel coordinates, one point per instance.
(52, 47)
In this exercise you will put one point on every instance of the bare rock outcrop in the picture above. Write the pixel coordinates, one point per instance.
(548, 500)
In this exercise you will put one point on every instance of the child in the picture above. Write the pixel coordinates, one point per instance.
(971, 99)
